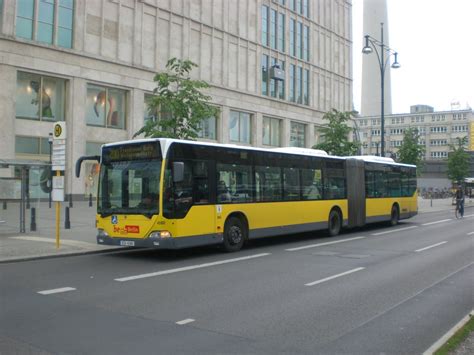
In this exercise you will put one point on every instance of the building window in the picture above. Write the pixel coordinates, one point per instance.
(273, 29)
(31, 145)
(292, 37)
(265, 74)
(299, 85)
(292, 83)
(40, 97)
(149, 113)
(265, 25)
(299, 40)
(271, 131)
(280, 83)
(207, 128)
(281, 32)
(297, 135)
(105, 107)
(239, 127)
(305, 43)
(46, 21)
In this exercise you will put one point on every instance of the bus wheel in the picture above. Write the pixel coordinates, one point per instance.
(394, 216)
(234, 234)
(334, 223)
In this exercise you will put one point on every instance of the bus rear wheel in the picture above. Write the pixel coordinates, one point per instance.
(334, 223)
(394, 216)
(234, 234)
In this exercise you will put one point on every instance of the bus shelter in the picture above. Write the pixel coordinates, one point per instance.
(30, 182)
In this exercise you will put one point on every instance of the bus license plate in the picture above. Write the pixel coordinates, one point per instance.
(128, 243)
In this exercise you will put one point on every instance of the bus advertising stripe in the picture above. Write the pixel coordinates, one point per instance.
(187, 268)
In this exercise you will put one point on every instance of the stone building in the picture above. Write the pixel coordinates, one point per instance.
(91, 64)
(437, 129)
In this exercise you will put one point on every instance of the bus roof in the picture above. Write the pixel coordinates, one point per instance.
(166, 143)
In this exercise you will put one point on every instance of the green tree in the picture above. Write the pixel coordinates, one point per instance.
(458, 161)
(178, 102)
(336, 134)
(411, 151)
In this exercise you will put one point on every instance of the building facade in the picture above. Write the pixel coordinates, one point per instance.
(274, 66)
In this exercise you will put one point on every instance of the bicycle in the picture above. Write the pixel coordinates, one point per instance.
(459, 210)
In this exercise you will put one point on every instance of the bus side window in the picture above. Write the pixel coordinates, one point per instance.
(200, 182)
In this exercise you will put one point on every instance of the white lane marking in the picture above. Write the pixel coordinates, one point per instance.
(395, 230)
(56, 290)
(185, 321)
(436, 222)
(335, 276)
(323, 244)
(187, 268)
(431, 246)
(468, 215)
(470, 233)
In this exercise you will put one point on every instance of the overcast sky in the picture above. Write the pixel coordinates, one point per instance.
(435, 42)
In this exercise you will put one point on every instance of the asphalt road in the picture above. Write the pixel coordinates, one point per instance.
(391, 290)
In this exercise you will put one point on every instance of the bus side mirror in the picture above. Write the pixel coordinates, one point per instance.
(178, 171)
(81, 159)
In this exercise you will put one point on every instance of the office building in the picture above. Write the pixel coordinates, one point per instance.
(274, 66)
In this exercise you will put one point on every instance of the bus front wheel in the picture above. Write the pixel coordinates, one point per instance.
(334, 223)
(234, 234)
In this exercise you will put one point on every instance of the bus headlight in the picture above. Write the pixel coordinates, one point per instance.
(101, 233)
(160, 234)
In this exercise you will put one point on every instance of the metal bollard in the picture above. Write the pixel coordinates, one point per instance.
(33, 220)
(67, 221)
(4, 205)
(70, 200)
(90, 200)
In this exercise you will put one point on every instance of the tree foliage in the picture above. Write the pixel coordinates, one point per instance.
(411, 151)
(178, 102)
(336, 134)
(458, 161)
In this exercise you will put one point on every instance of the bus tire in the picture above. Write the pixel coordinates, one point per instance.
(234, 234)
(334, 222)
(394, 215)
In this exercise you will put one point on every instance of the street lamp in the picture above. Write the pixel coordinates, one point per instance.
(383, 55)
(50, 141)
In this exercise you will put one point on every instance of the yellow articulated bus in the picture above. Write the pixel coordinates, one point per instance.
(170, 194)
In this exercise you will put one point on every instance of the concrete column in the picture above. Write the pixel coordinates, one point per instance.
(77, 130)
(7, 115)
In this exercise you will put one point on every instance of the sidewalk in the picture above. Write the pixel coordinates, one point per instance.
(81, 238)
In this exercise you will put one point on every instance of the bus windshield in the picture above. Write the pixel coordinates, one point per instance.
(129, 187)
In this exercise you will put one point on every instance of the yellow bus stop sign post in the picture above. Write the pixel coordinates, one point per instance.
(58, 163)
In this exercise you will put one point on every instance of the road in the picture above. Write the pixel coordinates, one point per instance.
(392, 290)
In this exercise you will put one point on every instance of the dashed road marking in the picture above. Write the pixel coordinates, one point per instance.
(323, 244)
(335, 276)
(187, 268)
(436, 222)
(56, 290)
(395, 230)
(185, 321)
(470, 233)
(431, 246)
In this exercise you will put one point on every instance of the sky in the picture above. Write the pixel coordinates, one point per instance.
(435, 44)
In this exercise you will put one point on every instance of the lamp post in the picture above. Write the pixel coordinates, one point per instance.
(383, 55)
(50, 141)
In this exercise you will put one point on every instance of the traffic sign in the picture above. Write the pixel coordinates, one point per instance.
(58, 158)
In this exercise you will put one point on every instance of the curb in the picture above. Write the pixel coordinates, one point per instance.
(441, 341)
(68, 254)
